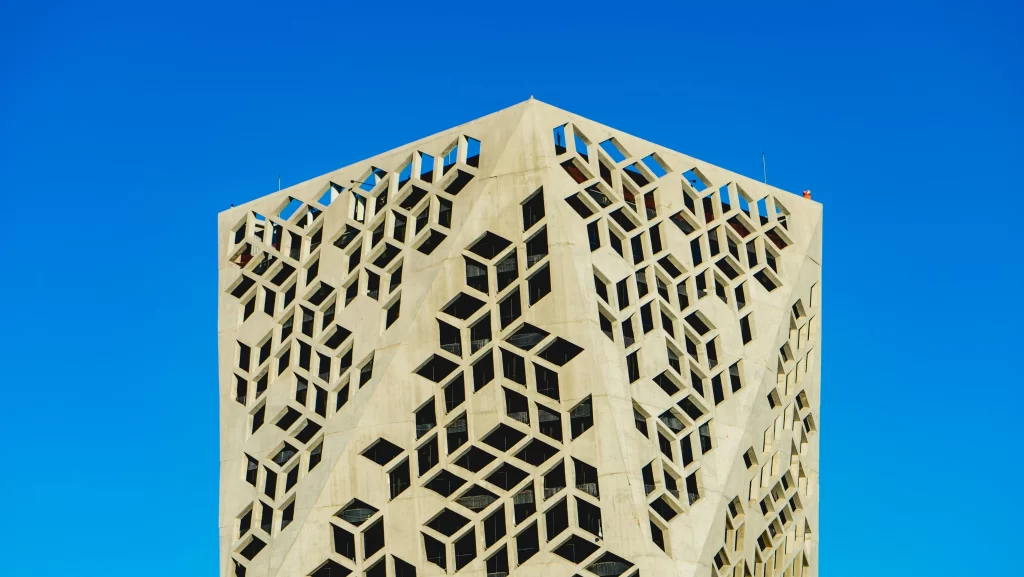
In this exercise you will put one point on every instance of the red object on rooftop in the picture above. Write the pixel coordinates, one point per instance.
(807, 194)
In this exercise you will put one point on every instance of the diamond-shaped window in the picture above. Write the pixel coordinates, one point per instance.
(445, 483)
(447, 522)
(506, 477)
(477, 498)
(463, 306)
(536, 453)
(609, 565)
(576, 549)
(436, 369)
(474, 459)
(560, 352)
(489, 246)
(331, 569)
(526, 337)
(356, 512)
(382, 451)
(503, 437)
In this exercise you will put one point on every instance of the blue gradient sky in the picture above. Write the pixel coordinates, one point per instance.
(125, 127)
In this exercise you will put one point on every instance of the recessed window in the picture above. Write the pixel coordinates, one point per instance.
(399, 479)
(533, 209)
(435, 551)
(581, 418)
(510, 308)
(483, 371)
(392, 314)
(476, 275)
(527, 544)
(513, 367)
(745, 329)
(508, 270)
(537, 247)
(547, 382)
(633, 367)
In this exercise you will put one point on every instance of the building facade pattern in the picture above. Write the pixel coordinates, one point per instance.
(527, 345)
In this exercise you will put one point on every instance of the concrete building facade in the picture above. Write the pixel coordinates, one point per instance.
(529, 345)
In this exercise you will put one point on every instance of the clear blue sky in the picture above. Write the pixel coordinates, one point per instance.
(125, 127)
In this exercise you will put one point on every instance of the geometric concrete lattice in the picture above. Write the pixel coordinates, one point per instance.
(530, 345)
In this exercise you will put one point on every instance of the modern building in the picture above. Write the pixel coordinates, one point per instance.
(530, 345)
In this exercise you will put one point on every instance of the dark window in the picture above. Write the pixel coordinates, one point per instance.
(637, 245)
(489, 246)
(454, 393)
(540, 284)
(400, 478)
(392, 315)
(513, 367)
(641, 282)
(716, 389)
(399, 228)
(395, 279)
(288, 514)
(581, 418)
(537, 247)
(533, 209)
(444, 214)
(451, 338)
(658, 536)
(315, 455)
(494, 527)
(550, 422)
(483, 371)
(425, 419)
(606, 326)
(692, 491)
(427, 455)
(476, 275)
(457, 433)
(252, 469)
(646, 318)
(734, 378)
(366, 373)
(465, 549)
(527, 544)
(622, 291)
(435, 551)
(244, 353)
(627, 332)
(601, 288)
(641, 423)
(687, 450)
(615, 241)
(342, 398)
(586, 478)
(547, 382)
(257, 418)
(695, 252)
(523, 504)
(403, 569)
(510, 309)
(633, 367)
(497, 565)
(589, 517)
(705, 438)
(556, 519)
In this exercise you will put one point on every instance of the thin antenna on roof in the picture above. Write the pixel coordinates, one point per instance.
(764, 166)
(279, 183)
